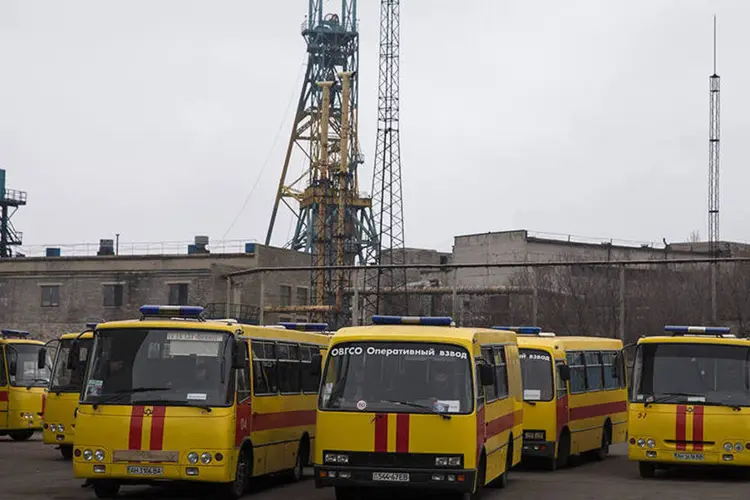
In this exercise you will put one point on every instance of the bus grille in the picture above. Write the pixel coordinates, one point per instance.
(395, 460)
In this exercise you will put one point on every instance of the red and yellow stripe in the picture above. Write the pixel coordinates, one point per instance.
(157, 417)
(686, 425)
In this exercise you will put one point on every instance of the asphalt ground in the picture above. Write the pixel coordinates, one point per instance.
(30, 470)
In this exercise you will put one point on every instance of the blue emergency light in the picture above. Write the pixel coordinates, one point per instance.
(305, 327)
(413, 320)
(172, 311)
(14, 334)
(709, 330)
(527, 330)
(91, 326)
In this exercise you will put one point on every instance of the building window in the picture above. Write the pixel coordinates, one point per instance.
(301, 296)
(285, 295)
(178, 294)
(50, 295)
(113, 295)
(285, 319)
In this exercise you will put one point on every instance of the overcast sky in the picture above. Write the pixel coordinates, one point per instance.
(155, 118)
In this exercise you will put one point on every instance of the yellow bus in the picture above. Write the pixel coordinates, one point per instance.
(173, 396)
(413, 402)
(575, 395)
(690, 398)
(22, 385)
(61, 398)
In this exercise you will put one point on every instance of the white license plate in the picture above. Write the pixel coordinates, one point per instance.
(397, 477)
(135, 470)
(689, 456)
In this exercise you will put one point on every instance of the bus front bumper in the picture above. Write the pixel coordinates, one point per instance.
(538, 449)
(376, 477)
(151, 473)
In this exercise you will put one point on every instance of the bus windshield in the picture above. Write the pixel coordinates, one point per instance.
(405, 377)
(536, 372)
(692, 373)
(24, 371)
(63, 378)
(159, 367)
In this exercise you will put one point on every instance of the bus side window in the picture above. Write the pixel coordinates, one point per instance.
(479, 387)
(3, 379)
(501, 373)
(577, 372)
(243, 378)
(264, 368)
(490, 391)
(561, 386)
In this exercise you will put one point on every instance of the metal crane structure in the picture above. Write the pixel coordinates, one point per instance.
(10, 200)
(333, 219)
(714, 136)
(713, 157)
(387, 194)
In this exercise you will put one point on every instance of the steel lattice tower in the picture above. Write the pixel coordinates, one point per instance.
(387, 192)
(713, 157)
(333, 221)
(10, 200)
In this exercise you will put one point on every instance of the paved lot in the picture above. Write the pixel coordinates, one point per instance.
(32, 471)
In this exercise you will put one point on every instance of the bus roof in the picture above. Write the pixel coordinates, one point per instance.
(569, 343)
(695, 339)
(20, 341)
(419, 333)
(284, 334)
(85, 335)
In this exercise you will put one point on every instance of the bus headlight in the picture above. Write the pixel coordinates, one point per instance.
(193, 457)
(651, 443)
(641, 443)
(53, 427)
(738, 447)
(206, 458)
(99, 455)
(61, 428)
(87, 455)
(333, 458)
(454, 461)
(727, 446)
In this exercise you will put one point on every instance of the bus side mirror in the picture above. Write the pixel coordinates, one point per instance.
(41, 360)
(317, 365)
(73, 357)
(565, 372)
(239, 355)
(486, 375)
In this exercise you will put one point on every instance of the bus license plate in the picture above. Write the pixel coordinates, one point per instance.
(398, 477)
(689, 456)
(135, 470)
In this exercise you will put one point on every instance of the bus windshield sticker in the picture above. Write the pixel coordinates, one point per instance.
(450, 406)
(189, 348)
(94, 387)
(696, 399)
(195, 337)
(196, 396)
(532, 394)
(361, 404)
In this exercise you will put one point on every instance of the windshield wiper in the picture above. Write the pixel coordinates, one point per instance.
(417, 405)
(530, 401)
(671, 396)
(115, 395)
(31, 384)
(167, 402)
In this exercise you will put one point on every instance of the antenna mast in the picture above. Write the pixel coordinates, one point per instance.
(713, 158)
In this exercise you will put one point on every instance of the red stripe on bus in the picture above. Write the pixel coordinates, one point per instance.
(157, 428)
(381, 432)
(402, 433)
(562, 413)
(283, 419)
(698, 428)
(598, 410)
(680, 427)
(481, 431)
(3, 396)
(503, 423)
(136, 428)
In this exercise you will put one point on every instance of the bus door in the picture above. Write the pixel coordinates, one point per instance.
(562, 396)
(4, 396)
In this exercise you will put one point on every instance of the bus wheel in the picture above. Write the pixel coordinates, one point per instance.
(647, 470)
(21, 435)
(563, 450)
(603, 450)
(66, 451)
(106, 489)
(235, 489)
(302, 454)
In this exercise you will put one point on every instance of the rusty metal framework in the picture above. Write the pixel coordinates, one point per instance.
(333, 219)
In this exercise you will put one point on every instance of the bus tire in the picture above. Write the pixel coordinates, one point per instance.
(563, 450)
(20, 435)
(303, 454)
(647, 470)
(481, 476)
(235, 489)
(603, 451)
(66, 450)
(106, 489)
